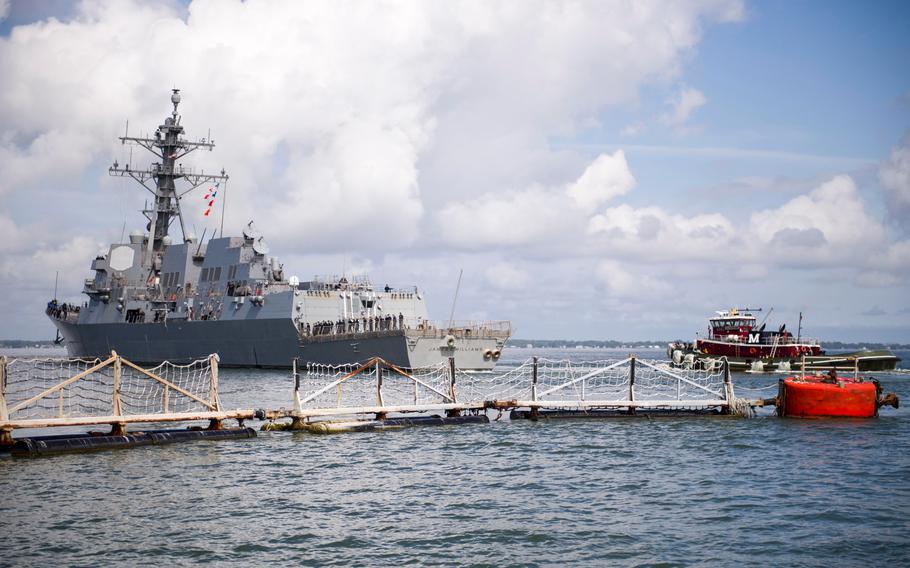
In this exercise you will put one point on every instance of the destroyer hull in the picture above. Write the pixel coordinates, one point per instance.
(266, 343)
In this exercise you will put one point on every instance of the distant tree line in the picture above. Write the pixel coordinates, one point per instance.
(612, 343)
(12, 343)
(838, 345)
(543, 343)
(609, 343)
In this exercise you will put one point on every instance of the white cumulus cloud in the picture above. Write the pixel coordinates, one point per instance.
(537, 214)
(506, 276)
(682, 106)
(622, 283)
(10, 235)
(334, 114)
(832, 214)
(511, 219)
(894, 175)
(654, 234)
(606, 178)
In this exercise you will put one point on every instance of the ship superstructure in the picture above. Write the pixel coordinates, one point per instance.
(153, 298)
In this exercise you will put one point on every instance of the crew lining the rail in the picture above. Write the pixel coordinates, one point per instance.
(364, 324)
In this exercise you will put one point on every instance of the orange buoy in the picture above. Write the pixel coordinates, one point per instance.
(828, 396)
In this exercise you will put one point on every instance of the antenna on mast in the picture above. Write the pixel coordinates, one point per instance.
(168, 145)
(223, 200)
(455, 299)
(764, 319)
(199, 248)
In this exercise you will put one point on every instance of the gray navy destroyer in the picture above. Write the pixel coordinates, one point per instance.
(153, 299)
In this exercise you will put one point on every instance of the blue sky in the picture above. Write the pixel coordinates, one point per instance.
(599, 170)
(823, 84)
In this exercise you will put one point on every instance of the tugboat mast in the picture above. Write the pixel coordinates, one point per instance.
(169, 147)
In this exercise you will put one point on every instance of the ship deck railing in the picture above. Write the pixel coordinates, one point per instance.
(353, 284)
(459, 330)
(350, 335)
(70, 316)
(463, 329)
(780, 342)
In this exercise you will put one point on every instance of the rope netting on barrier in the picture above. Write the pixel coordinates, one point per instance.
(660, 382)
(602, 380)
(594, 380)
(40, 388)
(560, 383)
(512, 384)
(28, 378)
(141, 394)
(374, 383)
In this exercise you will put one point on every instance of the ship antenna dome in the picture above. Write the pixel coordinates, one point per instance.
(175, 98)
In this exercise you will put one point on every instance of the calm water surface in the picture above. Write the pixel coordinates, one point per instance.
(663, 492)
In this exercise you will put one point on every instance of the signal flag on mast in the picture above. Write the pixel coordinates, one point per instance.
(213, 191)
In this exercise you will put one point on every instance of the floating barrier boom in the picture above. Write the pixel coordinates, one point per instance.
(379, 388)
(44, 393)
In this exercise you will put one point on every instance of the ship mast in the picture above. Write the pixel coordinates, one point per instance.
(169, 147)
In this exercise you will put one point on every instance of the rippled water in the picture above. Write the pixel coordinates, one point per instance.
(633, 491)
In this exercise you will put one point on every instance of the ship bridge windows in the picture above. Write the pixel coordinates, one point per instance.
(170, 279)
(211, 274)
(731, 324)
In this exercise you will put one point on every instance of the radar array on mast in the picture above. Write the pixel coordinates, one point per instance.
(169, 146)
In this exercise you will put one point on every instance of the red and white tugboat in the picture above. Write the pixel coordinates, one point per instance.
(736, 335)
(733, 334)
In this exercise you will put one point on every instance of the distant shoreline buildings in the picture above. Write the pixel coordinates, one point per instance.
(550, 344)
